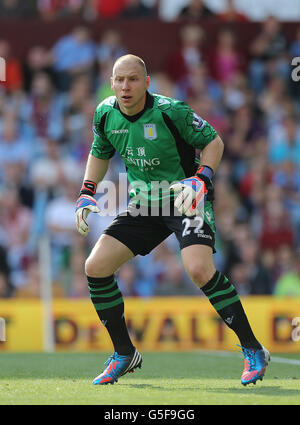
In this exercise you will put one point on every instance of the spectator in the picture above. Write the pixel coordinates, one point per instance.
(75, 119)
(231, 14)
(239, 275)
(46, 176)
(137, 9)
(15, 174)
(259, 280)
(276, 227)
(247, 123)
(13, 69)
(245, 138)
(284, 144)
(205, 107)
(37, 61)
(236, 93)
(12, 9)
(268, 52)
(52, 168)
(275, 105)
(79, 146)
(287, 176)
(109, 9)
(200, 84)
(288, 285)
(60, 224)
(110, 47)
(72, 55)
(226, 60)
(43, 109)
(169, 9)
(284, 261)
(13, 146)
(16, 220)
(161, 83)
(31, 287)
(174, 281)
(103, 87)
(195, 10)
(6, 289)
(52, 9)
(76, 282)
(188, 56)
(294, 48)
(253, 185)
(128, 280)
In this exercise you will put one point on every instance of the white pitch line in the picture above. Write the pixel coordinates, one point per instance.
(284, 360)
(274, 359)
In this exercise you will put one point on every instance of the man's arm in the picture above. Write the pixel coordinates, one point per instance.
(95, 171)
(212, 153)
(195, 190)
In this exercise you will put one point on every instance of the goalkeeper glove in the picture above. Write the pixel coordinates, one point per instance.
(85, 204)
(193, 192)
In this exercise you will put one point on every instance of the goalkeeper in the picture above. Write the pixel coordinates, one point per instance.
(156, 138)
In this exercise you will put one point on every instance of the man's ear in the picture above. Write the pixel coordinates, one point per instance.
(147, 82)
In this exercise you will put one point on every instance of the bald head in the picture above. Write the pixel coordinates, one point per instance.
(130, 82)
(129, 60)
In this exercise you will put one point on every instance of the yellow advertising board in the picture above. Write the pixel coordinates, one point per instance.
(156, 324)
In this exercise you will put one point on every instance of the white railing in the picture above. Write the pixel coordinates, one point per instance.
(46, 293)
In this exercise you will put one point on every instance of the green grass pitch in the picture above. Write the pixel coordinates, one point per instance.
(192, 378)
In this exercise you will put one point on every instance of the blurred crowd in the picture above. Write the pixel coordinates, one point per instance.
(166, 10)
(46, 112)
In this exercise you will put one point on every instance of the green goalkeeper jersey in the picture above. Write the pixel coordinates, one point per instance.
(158, 145)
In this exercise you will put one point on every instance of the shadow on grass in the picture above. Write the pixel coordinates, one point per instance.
(271, 390)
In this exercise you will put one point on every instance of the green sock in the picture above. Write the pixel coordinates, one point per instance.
(224, 298)
(108, 302)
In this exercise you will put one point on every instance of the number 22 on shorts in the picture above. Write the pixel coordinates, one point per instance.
(192, 224)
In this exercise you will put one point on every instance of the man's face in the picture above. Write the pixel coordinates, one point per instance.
(130, 84)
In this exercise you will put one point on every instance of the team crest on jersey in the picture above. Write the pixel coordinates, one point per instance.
(150, 132)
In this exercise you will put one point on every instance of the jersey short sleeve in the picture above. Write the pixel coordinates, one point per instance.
(192, 128)
(101, 146)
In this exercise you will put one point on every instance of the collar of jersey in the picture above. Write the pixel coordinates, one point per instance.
(148, 104)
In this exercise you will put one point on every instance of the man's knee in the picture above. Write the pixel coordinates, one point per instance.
(200, 272)
(106, 257)
(97, 266)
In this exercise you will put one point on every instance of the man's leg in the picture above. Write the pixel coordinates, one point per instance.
(198, 262)
(105, 259)
(107, 256)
